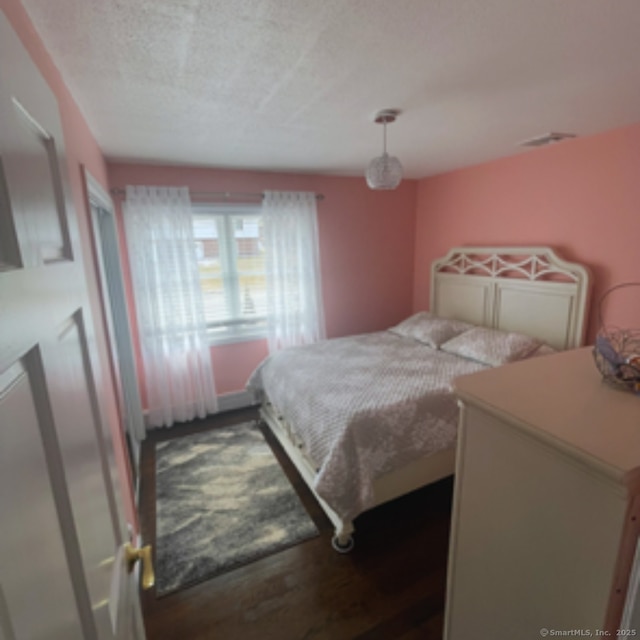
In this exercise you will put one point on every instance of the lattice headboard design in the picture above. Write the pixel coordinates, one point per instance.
(526, 289)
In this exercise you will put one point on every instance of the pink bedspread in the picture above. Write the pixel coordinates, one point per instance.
(362, 406)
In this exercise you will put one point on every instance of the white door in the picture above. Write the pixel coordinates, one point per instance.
(62, 573)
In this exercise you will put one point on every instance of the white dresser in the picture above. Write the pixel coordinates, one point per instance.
(547, 502)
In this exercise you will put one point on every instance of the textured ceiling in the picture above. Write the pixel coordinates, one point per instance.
(294, 84)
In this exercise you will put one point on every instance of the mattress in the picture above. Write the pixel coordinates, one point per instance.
(362, 406)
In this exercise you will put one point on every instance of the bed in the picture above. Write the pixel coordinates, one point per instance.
(368, 418)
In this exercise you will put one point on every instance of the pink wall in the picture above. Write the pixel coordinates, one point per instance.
(366, 249)
(81, 150)
(581, 197)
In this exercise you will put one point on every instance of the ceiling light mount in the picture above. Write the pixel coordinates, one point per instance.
(385, 171)
(386, 116)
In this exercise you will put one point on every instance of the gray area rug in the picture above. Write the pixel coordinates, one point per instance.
(222, 500)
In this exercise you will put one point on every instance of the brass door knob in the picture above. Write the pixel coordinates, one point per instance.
(132, 555)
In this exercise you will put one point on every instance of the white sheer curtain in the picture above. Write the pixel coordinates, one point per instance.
(169, 307)
(294, 301)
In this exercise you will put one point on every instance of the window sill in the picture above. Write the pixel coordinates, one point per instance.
(220, 340)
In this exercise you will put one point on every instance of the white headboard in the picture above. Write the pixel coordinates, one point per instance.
(526, 289)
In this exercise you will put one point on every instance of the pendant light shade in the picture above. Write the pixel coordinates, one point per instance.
(385, 171)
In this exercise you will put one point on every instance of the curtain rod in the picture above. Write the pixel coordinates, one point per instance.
(223, 195)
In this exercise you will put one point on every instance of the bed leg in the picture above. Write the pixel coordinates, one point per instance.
(342, 540)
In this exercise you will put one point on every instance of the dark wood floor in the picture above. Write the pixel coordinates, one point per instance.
(391, 586)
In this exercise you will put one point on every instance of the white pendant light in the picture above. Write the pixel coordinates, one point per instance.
(385, 171)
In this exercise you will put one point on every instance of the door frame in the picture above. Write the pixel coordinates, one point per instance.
(118, 329)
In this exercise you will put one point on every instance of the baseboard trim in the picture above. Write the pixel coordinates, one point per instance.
(238, 400)
(226, 402)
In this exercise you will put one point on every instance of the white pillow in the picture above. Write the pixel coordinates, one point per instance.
(491, 346)
(429, 329)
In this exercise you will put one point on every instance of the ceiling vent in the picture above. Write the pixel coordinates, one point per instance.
(547, 138)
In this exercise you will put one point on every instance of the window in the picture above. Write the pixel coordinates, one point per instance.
(231, 262)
